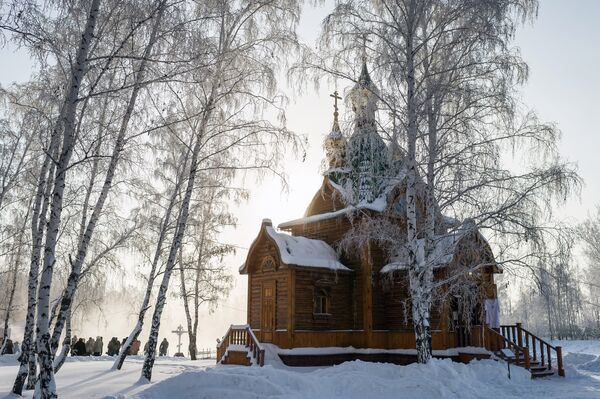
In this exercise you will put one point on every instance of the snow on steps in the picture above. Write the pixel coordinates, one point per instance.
(240, 346)
(516, 345)
(237, 354)
(536, 369)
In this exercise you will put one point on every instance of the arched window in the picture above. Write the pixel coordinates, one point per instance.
(321, 301)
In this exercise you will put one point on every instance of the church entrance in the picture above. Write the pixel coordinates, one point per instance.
(267, 315)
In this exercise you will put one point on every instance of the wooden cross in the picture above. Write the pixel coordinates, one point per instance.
(335, 97)
(179, 333)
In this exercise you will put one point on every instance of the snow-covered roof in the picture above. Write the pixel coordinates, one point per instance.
(378, 205)
(302, 251)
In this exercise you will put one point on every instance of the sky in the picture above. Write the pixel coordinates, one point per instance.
(561, 48)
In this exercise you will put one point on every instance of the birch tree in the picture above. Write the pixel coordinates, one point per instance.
(28, 26)
(237, 87)
(86, 234)
(589, 234)
(204, 279)
(176, 163)
(17, 248)
(448, 80)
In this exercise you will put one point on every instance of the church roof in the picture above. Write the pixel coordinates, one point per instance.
(298, 251)
(302, 251)
(378, 205)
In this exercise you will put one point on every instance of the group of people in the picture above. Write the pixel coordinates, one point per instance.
(94, 347)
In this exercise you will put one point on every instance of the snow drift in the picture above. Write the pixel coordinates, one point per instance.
(440, 379)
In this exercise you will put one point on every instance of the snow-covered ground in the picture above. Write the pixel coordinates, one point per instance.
(184, 379)
(91, 377)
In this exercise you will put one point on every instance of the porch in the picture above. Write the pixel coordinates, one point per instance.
(511, 343)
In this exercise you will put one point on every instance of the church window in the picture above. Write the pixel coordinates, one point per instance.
(321, 301)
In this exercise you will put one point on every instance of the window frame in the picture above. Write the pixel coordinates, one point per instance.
(321, 298)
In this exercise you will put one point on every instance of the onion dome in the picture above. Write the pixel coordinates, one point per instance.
(367, 153)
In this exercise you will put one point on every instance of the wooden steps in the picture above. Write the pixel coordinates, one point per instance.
(240, 346)
(238, 357)
(516, 345)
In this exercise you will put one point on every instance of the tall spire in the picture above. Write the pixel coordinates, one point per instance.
(364, 93)
(367, 152)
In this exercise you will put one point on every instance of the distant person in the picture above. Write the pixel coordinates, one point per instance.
(89, 347)
(113, 347)
(79, 348)
(73, 342)
(135, 347)
(164, 346)
(16, 348)
(98, 346)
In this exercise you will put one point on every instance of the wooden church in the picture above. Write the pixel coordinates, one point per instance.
(314, 304)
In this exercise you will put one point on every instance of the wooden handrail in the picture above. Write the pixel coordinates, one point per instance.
(515, 334)
(241, 335)
(495, 341)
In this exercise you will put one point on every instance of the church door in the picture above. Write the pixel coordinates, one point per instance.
(267, 317)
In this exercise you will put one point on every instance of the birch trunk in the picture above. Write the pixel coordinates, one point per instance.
(16, 260)
(45, 386)
(27, 365)
(11, 297)
(420, 305)
(186, 307)
(60, 360)
(84, 242)
(194, 328)
(161, 298)
(146, 301)
(176, 243)
(431, 213)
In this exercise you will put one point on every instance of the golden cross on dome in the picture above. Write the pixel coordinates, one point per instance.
(335, 97)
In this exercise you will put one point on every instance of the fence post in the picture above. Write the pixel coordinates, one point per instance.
(519, 335)
(527, 361)
(559, 361)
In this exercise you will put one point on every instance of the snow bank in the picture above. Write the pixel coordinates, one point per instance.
(591, 347)
(592, 365)
(88, 377)
(439, 379)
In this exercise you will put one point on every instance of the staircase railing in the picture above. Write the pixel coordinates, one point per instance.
(241, 335)
(516, 333)
(494, 341)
